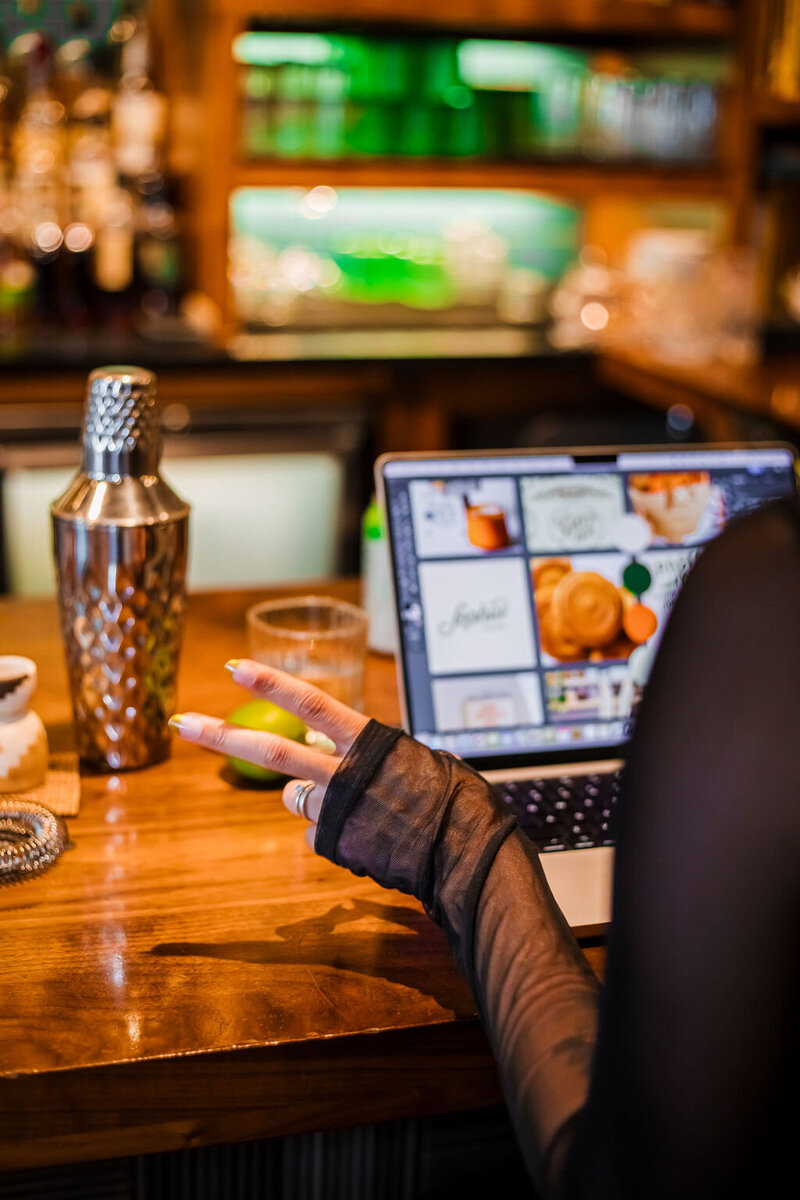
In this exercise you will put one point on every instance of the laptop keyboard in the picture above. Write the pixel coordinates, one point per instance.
(567, 812)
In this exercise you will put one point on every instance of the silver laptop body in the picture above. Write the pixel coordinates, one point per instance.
(531, 588)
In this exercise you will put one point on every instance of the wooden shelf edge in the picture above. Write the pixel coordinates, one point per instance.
(532, 17)
(579, 181)
(773, 110)
(716, 391)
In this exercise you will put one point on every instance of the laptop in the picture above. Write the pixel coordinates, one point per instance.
(531, 590)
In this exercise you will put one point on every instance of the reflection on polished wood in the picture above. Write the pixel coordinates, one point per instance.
(189, 973)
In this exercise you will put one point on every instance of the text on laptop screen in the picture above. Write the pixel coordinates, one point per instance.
(533, 589)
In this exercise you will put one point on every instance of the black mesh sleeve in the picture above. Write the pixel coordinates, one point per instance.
(680, 1082)
(427, 824)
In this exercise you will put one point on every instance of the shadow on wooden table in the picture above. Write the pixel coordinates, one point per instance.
(309, 942)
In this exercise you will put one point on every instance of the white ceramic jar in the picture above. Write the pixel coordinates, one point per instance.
(23, 739)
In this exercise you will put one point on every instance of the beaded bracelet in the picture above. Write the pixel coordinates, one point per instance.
(31, 839)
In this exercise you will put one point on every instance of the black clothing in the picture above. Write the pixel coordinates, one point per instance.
(677, 1082)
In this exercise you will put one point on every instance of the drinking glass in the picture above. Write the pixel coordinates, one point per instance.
(317, 638)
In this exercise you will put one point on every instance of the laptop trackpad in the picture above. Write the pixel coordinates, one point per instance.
(580, 880)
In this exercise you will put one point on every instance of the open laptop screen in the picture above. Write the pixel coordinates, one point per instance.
(532, 587)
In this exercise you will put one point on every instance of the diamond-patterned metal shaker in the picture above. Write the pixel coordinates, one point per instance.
(120, 541)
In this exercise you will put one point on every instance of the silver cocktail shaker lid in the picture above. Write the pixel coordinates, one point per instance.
(119, 482)
(121, 434)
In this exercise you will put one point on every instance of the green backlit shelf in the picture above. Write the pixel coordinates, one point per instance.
(573, 27)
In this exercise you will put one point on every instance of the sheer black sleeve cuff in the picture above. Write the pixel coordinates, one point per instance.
(417, 820)
(345, 789)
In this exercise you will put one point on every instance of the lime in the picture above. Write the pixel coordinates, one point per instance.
(265, 717)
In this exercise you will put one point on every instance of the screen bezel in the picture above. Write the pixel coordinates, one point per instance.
(589, 454)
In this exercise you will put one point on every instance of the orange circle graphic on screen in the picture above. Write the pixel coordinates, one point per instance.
(639, 622)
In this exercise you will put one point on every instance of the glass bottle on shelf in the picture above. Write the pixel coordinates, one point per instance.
(41, 195)
(77, 309)
(92, 177)
(330, 124)
(17, 277)
(294, 101)
(114, 260)
(158, 251)
(257, 85)
(370, 73)
(139, 113)
(7, 114)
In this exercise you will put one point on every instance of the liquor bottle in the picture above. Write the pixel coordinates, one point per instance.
(120, 543)
(140, 242)
(17, 278)
(139, 118)
(158, 249)
(7, 115)
(90, 155)
(76, 291)
(114, 258)
(41, 195)
(39, 137)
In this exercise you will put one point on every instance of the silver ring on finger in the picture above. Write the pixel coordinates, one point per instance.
(301, 793)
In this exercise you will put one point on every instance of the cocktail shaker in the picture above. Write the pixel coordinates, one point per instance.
(120, 543)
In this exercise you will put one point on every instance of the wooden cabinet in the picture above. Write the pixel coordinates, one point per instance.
(528, 18)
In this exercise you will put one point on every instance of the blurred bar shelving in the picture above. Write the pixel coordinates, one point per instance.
(775, 111)
(573, 180)
(529, 17)
(44, 354)
(198, 74)
(222, 168)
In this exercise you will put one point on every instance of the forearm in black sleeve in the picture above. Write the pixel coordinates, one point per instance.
(425, 823)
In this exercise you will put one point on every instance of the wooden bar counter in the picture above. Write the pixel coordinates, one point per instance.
(188, 973)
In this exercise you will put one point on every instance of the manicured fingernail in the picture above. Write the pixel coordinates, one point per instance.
(188, 725)
(232, 664)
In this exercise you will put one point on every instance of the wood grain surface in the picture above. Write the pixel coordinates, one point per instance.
(190, 973)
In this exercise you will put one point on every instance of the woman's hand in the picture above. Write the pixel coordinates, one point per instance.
(318, 710)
